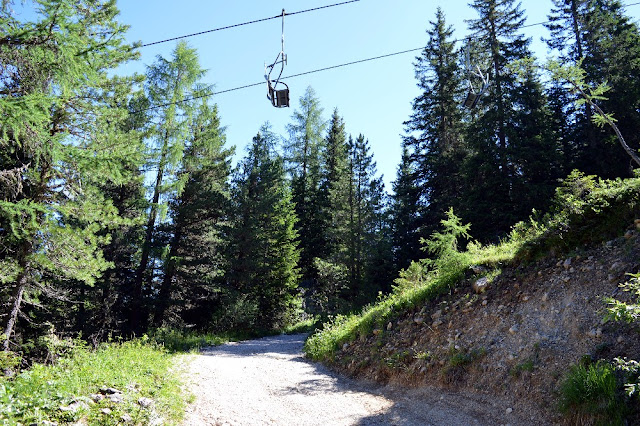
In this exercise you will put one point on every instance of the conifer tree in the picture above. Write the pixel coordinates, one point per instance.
(303, 152)
(434, 144)
(335, 191)
(264, 255)
(61, 138)
(195, 260)
(597, 36)
(405, 213)
(170, 85)
(511, 145)
(367, 212)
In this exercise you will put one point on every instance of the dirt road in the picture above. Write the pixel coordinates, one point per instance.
(268, 382)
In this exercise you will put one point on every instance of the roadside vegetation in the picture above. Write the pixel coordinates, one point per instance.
(586, 211)
(119, 382)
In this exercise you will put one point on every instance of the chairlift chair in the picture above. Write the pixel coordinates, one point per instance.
(277, 91)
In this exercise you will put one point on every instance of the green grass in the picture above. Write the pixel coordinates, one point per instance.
(589, 394)
(175, 341)
(137, 368)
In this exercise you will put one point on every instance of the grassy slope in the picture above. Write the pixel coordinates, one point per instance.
(587, 211)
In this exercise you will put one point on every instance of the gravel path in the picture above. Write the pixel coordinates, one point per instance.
(268, 382)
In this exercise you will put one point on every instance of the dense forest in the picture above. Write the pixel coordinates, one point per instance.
(120, 210)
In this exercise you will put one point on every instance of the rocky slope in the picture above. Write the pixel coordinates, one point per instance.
(514, 338)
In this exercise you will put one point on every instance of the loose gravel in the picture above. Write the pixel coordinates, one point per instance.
(269, 382)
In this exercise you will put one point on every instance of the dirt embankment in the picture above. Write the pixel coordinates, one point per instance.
(514, 341)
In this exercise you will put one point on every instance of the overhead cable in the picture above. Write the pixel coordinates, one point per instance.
(255, 21)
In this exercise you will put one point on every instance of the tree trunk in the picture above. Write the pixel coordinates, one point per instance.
(16, 301)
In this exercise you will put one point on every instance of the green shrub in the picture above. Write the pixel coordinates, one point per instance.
(589, 394)
(174, 340)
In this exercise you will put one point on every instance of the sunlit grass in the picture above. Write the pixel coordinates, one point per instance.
(138, 368)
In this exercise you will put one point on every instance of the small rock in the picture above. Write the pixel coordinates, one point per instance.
(109, 391)
(345, 346)
(376, 331)
(513, 329)
(96, 397)
(389, 326)
(567, 263)
(545, 297)
(599, 332)
(436, 323)
(437, 314)
(145, 402)
(116, 398)
(539, 273)
(566, 279)
(106, 411)
(525, 298)
(484, 302)
(620, 339)
(418, 320)
(478, 269)
(591, 333)
(480, 285)
(628, 234)
(126, 418)
(509, 410)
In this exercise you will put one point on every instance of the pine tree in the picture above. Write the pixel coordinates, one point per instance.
(509, 132)
(335, 189)
(405, 213)
(434, 144)
(60, 139)
(597, 36)
(170, 85)
(303, 151)
(366, 217)
(195, 261)
(264, 255)
(612, 56)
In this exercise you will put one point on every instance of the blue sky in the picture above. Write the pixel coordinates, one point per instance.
(373, 97)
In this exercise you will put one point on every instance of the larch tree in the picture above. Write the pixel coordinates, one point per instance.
(171, 86)
(60, 138)
(303, 152)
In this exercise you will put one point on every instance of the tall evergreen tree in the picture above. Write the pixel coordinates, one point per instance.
(509, 132)
(434, 144)
(171, 83)
(264, 254)
(597, 35)
(60, 139)
(366, 217)
(195, 261)
(303, 150)
(405, 213)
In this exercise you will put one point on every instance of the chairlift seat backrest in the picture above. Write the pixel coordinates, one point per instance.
(282, 98)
